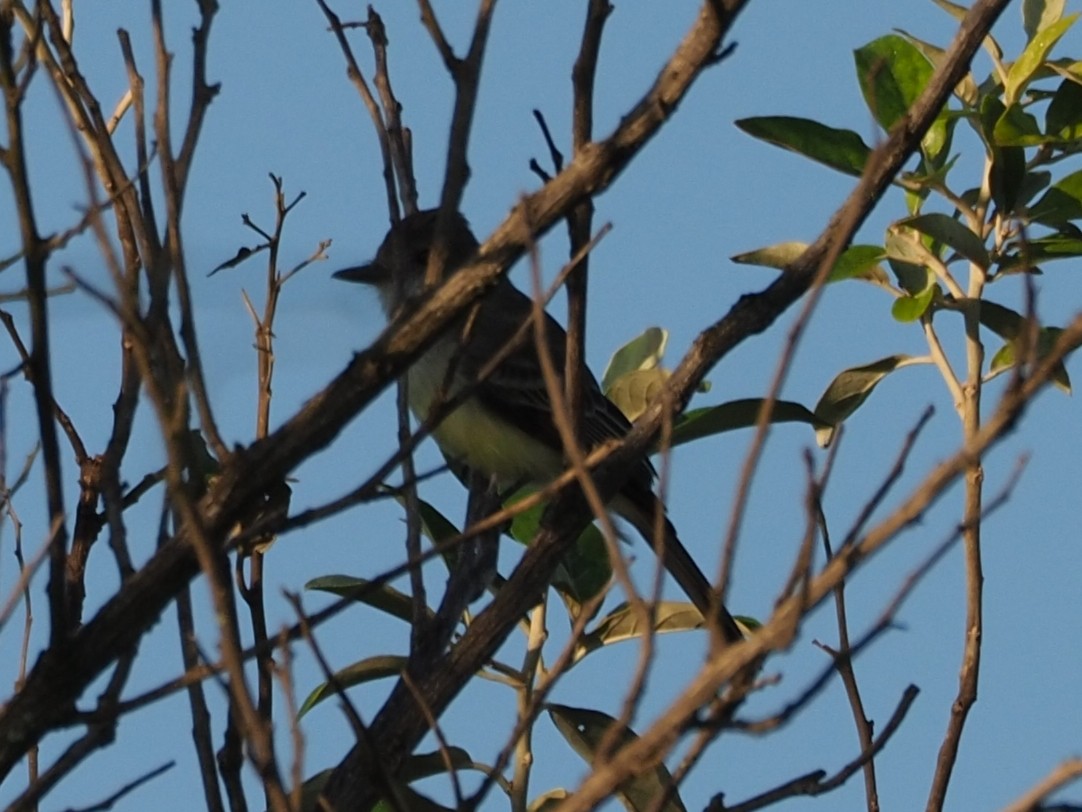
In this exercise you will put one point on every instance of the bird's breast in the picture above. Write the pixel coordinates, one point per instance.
(472, 433)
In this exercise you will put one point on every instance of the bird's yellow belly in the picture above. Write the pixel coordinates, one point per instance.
(476, 437)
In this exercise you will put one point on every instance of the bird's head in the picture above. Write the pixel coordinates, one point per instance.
(398, 271)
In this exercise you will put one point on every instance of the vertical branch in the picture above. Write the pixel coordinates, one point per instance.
(276, 499)
(202, 734)
(356, 76)
(36, 253)
(202, 93)
(397, 137)
(525, 709)
(843, 656)
(466, 74)
(580, 221)
(174, 184)
(399, 167)
(969, 675)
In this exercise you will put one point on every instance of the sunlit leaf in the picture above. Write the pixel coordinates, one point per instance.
(1033, 57)
(956, 10)
(549, 801)
(843, 150)
(586, 729)
(1017, 128)
(1025, 256)
(633, 391)
(908, 258)
(855, 262)
(892, 73)
(623, 623)
(642, 352)
(850, 388)
(859, 262)
(370, 668)
(779, 255)
(959, 12)
(737, 414)
(1037, 15)
(912, 306)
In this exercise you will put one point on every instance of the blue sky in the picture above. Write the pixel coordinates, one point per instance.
(700, 193)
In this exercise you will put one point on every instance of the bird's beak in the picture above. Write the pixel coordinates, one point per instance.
(371, 274)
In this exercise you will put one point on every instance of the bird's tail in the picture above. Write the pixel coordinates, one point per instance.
(641, 512)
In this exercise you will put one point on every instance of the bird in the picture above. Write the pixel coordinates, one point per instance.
(503, 428)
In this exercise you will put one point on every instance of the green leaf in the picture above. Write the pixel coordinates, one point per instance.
(912, 306)
(584, 571)
(642, 352)
(1033, 57)
(438, 529)
(908, 258)
(633, 391)
(855, 262)
(435, 762)
(966, 90)
(1034, 182)
(1025, 256)
(892, 73)
(843, 150)
(737, 414)
(1063, 119)
(860, 262)
(370, 668)
(623, 623)
(951, 233)
(1017, 128)
(1037, 15)
(586, 729)
(1004, 357)
(780, 256)
(415, 768)
(850, 388)
(1060, 204)
(1008, 163)
(312, 788)
(1008, 324)
(385, 598)
(959, 13)
(1002, 321)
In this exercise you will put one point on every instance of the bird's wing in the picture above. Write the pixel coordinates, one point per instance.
(516, 388)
